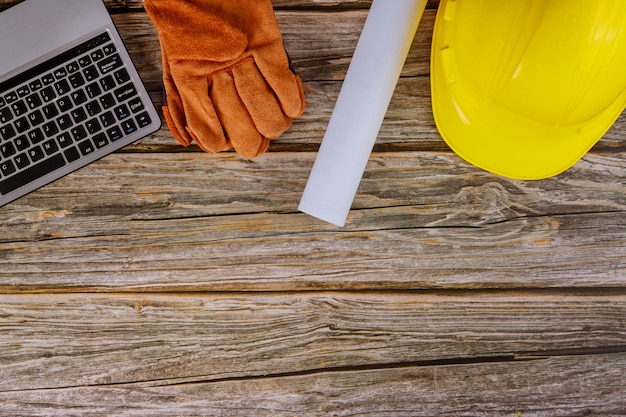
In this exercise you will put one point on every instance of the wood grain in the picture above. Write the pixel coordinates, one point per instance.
(150, 339)
(556, 386)
(164, 281)
(202, 222)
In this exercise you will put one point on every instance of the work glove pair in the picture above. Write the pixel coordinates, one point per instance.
(227, 78)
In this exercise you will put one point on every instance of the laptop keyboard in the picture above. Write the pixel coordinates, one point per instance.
(65, 110)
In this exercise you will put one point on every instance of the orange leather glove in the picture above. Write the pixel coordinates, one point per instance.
(226, 74)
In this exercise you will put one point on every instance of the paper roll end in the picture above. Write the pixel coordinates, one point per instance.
(323, 212)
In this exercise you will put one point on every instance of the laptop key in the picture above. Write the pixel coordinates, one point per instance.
(76, 80)
(21, 124)
(93, 126)
(35, 85)
(136, 105)
(84, 61)
(7, 132)
(109, 49)
(125, 92)
(19, 108)
(36, 153)
(60, 73)
(72, 67)
(48, 94)
(36, 118)
(107, 119)
(122, 76)
(79, 97)
(129, 126)
(71, 154)
(115, 133)
(64, 140)
(36, 136)
(93, 90)
(108, 83)
(5, 115)
(78, 133)
(7, 168)
(65, 122)
(11, 97)
(50, 147)
(21, 143)
(47, 79)
(62, 87)
(93, 108)
(97, 55)
(109, 64)
(65, 104)
(23, 91)
(100, 140)
(50, 111)
(107, 101)
(33, 101)
(7, 150)
(143, 119)
(86, 147)
(50, 129)
(121, 112)
(79, 115)
(21, 161)
(91, 73)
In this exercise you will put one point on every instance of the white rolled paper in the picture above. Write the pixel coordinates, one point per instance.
(360, 109)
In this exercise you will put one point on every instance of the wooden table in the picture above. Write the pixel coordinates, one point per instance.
(163, 281)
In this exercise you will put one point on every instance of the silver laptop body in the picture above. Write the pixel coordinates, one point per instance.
(69, 93)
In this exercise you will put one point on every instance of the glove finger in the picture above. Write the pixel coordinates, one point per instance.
(173, 110)
(197, 120)
(274, 65)
(236, 120)
(203, 123)
(260, 100)
(184, 139)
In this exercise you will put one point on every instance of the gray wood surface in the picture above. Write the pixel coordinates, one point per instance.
(163, 281)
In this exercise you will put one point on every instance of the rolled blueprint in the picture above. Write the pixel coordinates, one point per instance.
(360, 109)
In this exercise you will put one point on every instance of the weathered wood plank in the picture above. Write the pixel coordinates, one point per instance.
(81, 340)
(216, 222)
(158, 218)
(156, 226)
(562, 386)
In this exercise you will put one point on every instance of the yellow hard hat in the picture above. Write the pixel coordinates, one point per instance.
(525, 88)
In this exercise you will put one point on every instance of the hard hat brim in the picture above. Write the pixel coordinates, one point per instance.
(509, 145)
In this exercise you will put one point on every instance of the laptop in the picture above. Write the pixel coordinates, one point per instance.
(69, 93)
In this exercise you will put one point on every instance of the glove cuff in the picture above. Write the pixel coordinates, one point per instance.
(188, 31)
